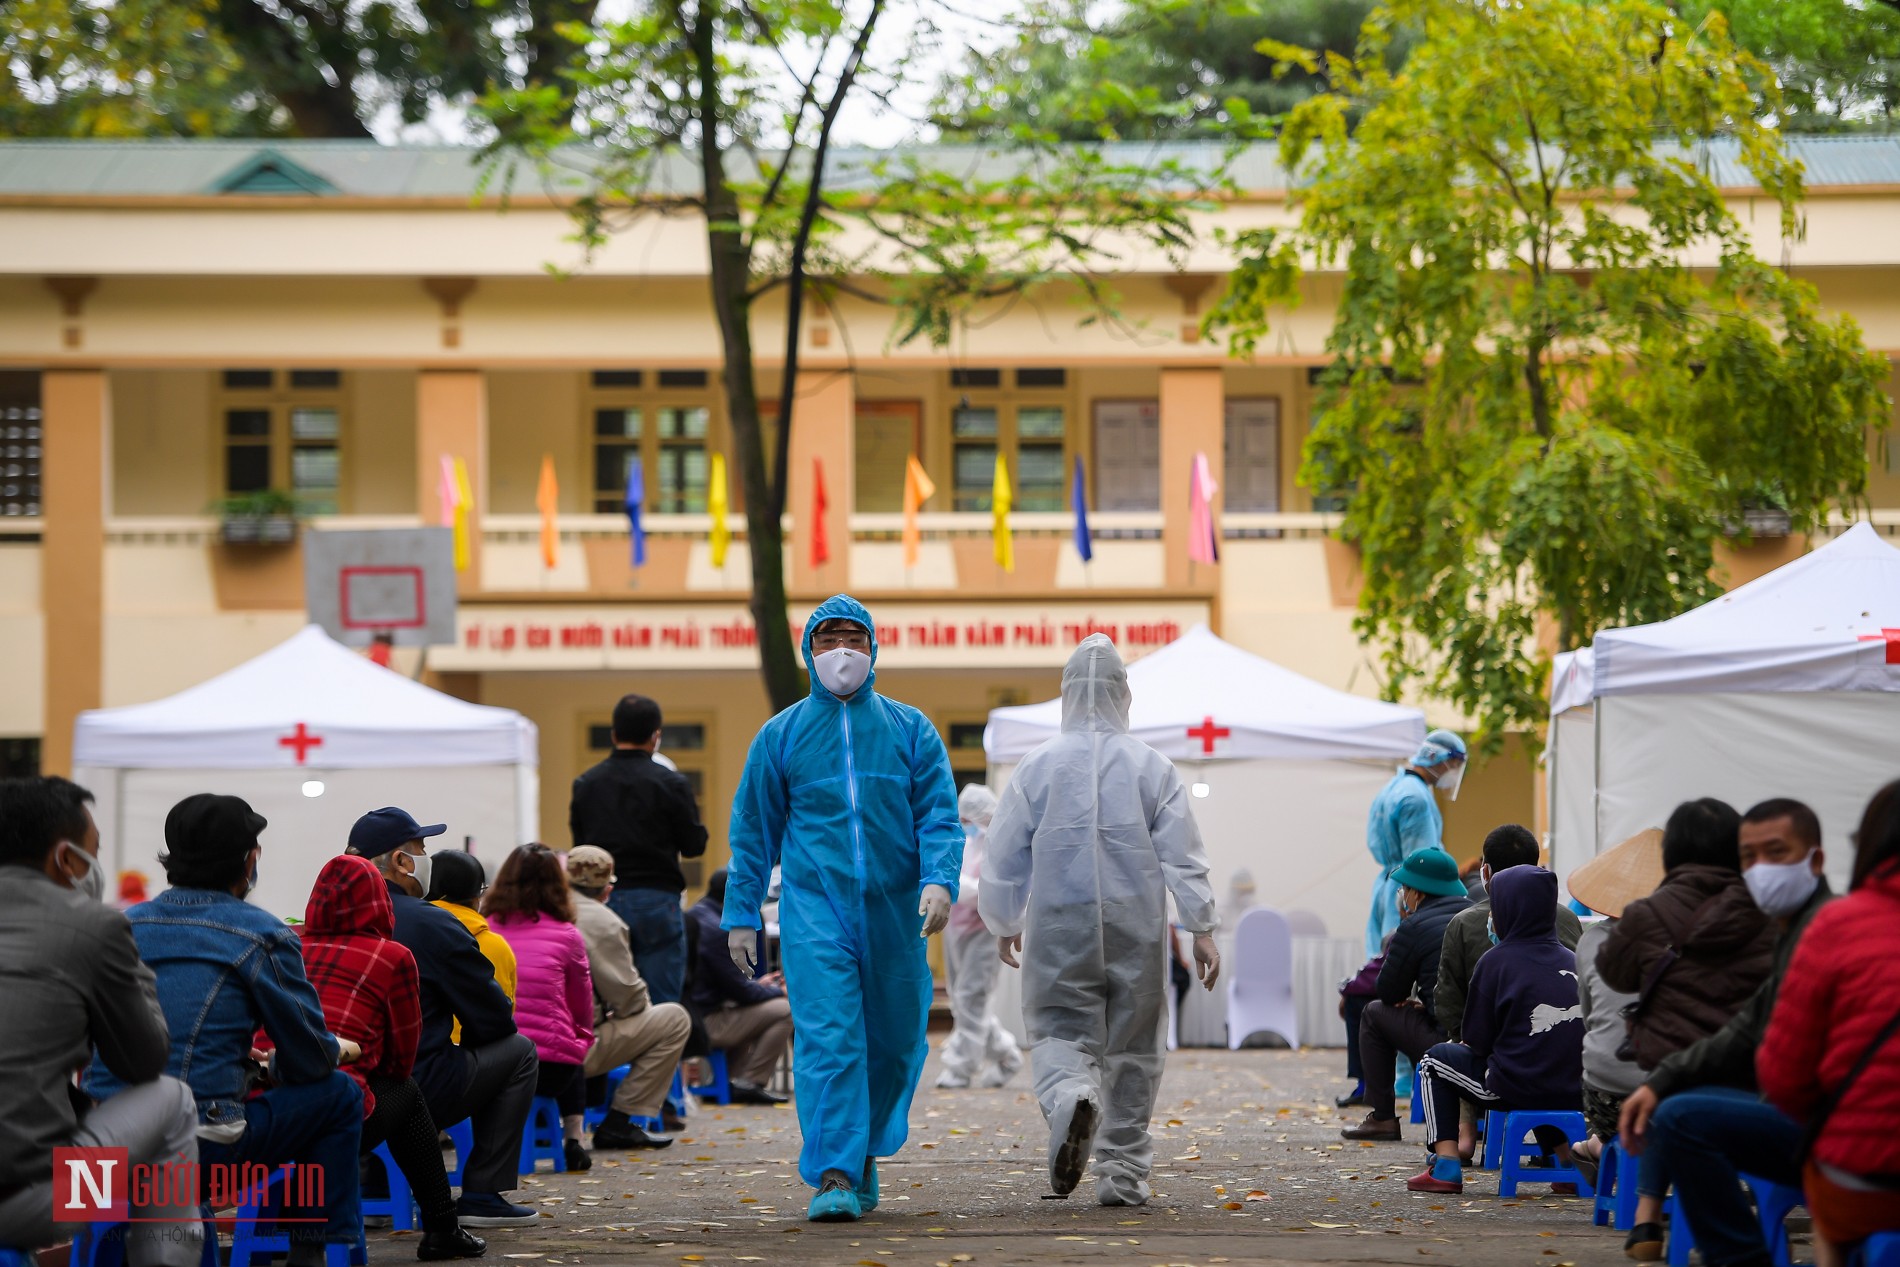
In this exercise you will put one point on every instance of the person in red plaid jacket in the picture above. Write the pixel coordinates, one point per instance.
(367, 984)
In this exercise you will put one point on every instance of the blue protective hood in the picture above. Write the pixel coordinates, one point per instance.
(839, 607)
(1524, 904)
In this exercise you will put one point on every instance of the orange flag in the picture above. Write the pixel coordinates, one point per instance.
(547, 500)
(917, 491)
(820, 543)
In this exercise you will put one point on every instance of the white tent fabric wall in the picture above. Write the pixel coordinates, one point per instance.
(1786, 686)
(366, 736)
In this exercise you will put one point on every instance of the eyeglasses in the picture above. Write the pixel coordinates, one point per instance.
(832, 639)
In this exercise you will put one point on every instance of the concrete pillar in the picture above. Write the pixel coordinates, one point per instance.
(76, 412)
(823, 427)
(1192, 419)
(452, 419)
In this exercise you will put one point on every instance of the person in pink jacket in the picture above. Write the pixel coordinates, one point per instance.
(528, 904)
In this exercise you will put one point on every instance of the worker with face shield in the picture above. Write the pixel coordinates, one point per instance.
(1091, 837)
(1405, 819)
(850, 794)
(979, 1051)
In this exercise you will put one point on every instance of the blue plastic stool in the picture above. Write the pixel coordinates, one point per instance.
(1681, 1239)
(462, 1135)
(103, 1245)
(594, 1114)
(1878, 1251)
(1616, 1191)
(1493, 1140)
(1512, 1152)
(11, 1256)
(399, 1207)
(1773, 1203)
(247, 1243)
(719, 1090)
(540, 1137)
(1418, 1098)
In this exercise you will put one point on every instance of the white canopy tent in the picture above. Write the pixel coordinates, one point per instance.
(313, 735)
(1284, 767)
(1786, 686)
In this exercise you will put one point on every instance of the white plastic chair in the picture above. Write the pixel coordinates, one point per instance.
(1306, 924)
(1260, 989)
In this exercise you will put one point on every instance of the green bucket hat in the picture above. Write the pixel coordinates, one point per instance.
(1431, 871)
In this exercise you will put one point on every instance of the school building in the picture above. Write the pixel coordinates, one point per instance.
(185, 322)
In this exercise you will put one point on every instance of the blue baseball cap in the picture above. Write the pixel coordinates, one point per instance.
(381, 830)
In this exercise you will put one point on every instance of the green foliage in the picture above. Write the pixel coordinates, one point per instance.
(1149, 69)
(1562, 373)
(1837, 62)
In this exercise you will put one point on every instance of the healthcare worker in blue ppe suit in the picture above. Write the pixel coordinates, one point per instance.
(850, 793)
(1405, 819)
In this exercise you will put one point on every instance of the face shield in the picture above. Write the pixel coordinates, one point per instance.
(1449, 781)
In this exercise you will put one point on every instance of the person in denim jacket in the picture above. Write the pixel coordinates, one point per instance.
(225, 970)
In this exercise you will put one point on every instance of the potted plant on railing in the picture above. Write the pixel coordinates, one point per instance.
(267, 517)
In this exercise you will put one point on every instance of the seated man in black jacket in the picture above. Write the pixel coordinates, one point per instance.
(490, 1077)
(750, 1020)
(1402, 1019)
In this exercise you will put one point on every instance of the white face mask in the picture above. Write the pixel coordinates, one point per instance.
(1448, 783)
(419, 867)
(1782, 888)
(842, 670)
(93, 883)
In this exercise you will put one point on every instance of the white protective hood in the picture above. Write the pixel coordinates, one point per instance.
(1815, 624)
(1195, 688)
(366, 717)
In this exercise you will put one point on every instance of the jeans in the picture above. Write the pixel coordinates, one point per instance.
(496, 1098)
(315, 1124)
(656, 928)
(1700, 1140)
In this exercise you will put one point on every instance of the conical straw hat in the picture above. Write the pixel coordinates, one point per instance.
(1616, 877)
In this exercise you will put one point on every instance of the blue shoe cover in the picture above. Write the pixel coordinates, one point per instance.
(835, 1205)
(867, 1191)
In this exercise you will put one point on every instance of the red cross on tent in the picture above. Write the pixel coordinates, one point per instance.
(1207, 732)
(302, 741)
(1892, 638)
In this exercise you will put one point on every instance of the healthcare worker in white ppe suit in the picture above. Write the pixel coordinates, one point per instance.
(979, 1051)
(1090, 838)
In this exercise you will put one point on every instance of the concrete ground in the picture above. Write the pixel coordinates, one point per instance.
(1249, 1169)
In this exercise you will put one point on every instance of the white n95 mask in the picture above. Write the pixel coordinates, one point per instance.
(843, 670)
(1782, 888)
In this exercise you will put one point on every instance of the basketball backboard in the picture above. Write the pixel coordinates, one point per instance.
(399, 581)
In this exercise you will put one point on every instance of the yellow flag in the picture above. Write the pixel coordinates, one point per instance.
(999, 510)
(717, 503)
(464, 506)
(917, 491)
(547, 500)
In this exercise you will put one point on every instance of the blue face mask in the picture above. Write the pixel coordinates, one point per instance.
(1491, 930)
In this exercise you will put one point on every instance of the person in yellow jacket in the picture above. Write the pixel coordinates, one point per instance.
(456, 882)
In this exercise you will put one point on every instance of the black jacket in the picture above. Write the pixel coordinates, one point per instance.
(458, 983)
(643, 814)
(715, 980)
(1727, 1057)
(1411, 960)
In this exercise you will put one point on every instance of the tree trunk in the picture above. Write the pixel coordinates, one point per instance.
(785, 682)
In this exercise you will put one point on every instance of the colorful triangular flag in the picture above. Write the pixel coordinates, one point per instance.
(917, 490)
(1079, 499)
(547, 500)
(718, 501)
(635, 499)
(820, 542)
(464, 509)
(1203, 542)
(1003, 544)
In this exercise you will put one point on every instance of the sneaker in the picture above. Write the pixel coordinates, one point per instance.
(1645, 1243)
(450, 1243)
(610, 1136)
(491, 1209)
(1352, 1098)
(1444, 1177)
(576, 1155)
(1383, 1129)
(867, 1191)
(1069, 1154)
(836, 1200)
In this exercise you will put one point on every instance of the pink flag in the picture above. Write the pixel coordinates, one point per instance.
(1203, 537)
(447, 494)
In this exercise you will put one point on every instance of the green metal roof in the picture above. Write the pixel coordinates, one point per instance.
(366, 169)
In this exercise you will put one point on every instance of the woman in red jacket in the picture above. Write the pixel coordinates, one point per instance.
(1839, 994)
(366, 982)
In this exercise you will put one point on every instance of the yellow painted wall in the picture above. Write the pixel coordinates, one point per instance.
(532, 412)
(1497, 790)
(379, 452)
(164, 442)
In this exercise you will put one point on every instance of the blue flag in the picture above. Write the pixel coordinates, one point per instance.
(636, 498)
(1078, 497)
